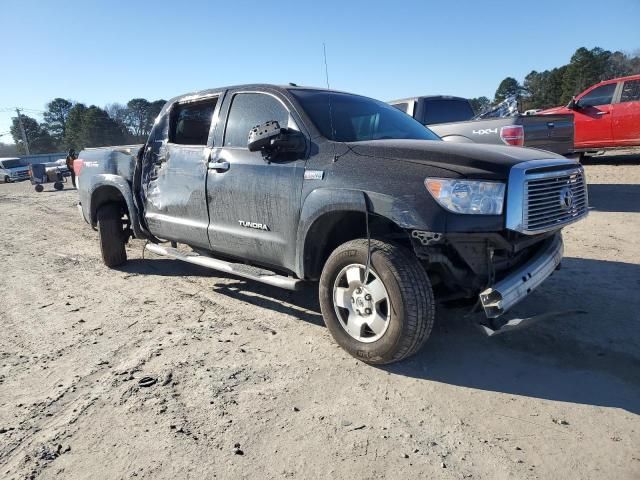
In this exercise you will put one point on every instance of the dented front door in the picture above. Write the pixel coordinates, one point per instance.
(175, 196)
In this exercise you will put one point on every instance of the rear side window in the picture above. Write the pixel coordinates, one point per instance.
(445, 110)
(630, 91)
(249, 110)
(190, 122)
(598, 96)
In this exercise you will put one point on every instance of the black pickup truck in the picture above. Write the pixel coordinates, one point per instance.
(453, 120)
(286, 185)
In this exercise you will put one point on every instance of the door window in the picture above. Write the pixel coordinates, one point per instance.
(630, 91)
(190, 122)
(249, 110)
(598, 96)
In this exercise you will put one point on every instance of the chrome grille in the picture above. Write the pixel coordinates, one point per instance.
(554, 199)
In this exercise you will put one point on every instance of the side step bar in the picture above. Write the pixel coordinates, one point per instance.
(238, 269)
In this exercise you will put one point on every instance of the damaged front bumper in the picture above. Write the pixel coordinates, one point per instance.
(518, 284)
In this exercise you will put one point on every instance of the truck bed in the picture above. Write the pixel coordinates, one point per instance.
(547, 132)
(117, 160)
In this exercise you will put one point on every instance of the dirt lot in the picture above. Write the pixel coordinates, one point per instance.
(249, 384)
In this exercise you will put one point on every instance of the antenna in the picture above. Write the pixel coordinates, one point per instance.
(326, 69)
(326, 74)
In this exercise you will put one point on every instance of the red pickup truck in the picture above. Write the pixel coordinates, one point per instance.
(606, 115)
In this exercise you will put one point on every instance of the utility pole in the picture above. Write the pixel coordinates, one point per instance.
(23, 133)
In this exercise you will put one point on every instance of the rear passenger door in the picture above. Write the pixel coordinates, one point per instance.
(254, 205)
(626, 114)
(176, 172)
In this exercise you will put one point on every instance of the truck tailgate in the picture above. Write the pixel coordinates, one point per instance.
(548, 132)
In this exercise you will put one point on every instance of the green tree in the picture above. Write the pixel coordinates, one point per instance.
(37, 136)
(618, 65)
(138, 117)
(509, 86)
(141, 115)
(100, 130)
(73, 129)
(479, 104)
(55, 118)
(555, 87)
(586, 68)
(120, 114)
(92, 127)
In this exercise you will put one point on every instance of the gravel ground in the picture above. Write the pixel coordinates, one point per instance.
(164, 370)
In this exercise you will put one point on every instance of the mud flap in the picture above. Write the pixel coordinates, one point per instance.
(520, 323)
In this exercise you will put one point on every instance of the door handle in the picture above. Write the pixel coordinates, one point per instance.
(602, 113)
(219, 166)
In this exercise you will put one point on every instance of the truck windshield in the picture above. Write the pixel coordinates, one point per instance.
(357, 118)
(445, 110)
(14, 163)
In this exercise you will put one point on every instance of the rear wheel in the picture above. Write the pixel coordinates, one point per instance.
(58, 185)
(112, 235)
(384, 317)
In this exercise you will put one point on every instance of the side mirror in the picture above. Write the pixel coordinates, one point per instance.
(260, 136)
(272, 140)
(573, 104)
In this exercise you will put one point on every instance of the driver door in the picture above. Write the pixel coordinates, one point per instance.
(593, 117)
(254, 204)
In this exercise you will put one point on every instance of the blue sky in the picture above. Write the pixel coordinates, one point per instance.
(104, 51)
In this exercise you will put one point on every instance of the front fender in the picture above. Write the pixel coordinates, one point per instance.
(318, 203)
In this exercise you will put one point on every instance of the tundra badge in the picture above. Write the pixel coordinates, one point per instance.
(313, 174)
(257, 226)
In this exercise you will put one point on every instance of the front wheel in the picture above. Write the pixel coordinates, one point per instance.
(7, 179)
(112, 235)
(385, 317)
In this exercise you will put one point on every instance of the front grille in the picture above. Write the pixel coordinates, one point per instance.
(554, 199)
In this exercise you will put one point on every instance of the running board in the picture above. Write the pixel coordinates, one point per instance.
(238, 269)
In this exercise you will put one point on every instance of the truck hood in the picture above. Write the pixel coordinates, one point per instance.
(469, 160)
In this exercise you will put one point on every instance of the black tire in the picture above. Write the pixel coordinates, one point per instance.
(7, 179)
(112, 236)
(412, 306)
(58, 186)
(39, 188)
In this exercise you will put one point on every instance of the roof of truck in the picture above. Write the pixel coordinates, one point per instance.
(409, 99)
(250, 86)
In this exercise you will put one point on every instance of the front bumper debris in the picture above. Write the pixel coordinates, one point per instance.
(518, 323)
(499, 298)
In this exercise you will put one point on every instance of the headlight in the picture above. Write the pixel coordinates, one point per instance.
(467, 196)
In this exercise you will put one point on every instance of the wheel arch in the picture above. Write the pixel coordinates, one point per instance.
(330, 218)
(113, 189)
